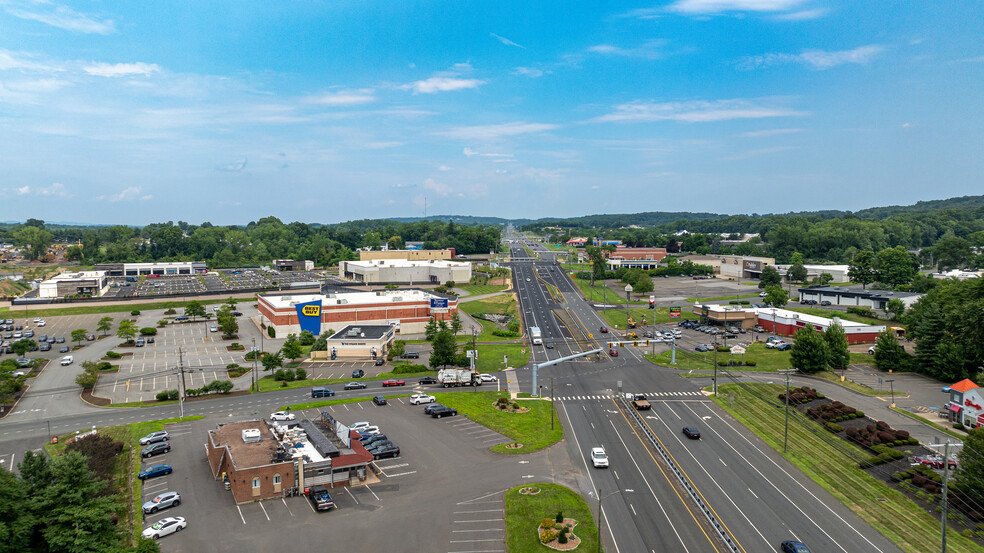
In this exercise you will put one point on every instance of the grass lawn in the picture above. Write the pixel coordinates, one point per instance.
(886, 509)
(723, 298)
(504, 304)
(599, 293)
(480, 289)
(532, 429)
(766, 360)
(660, 315)
(490, 356)
(821, 312)
(524, 513)
(90, 309)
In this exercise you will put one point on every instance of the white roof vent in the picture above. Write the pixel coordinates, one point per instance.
(251, 435)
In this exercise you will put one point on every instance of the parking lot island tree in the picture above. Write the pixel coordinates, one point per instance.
(105, 325)
(194, 309)
(78, 335)
(126, 330)
(22, 346)
(292, 348)
(271, 361)
(810, 353)
(229, 326)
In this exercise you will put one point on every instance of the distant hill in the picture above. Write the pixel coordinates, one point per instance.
(463, 219)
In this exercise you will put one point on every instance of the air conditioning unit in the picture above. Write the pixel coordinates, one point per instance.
(251, 435)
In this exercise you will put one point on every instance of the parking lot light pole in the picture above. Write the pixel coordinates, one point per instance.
(255, 355)
(891, 382)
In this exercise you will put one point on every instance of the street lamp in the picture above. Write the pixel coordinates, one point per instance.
(628, 296)
(891, 382)
(600, 497)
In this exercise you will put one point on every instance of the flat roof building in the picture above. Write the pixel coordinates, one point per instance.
(402, 271)
(740, 266)
(157, 268)
(287, 265)
(838, 272)
(364, 342)
(79, 283)
(844, 295)
(409, 254)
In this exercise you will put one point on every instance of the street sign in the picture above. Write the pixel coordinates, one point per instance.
(675, 313)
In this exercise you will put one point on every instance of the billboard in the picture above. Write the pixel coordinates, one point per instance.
(439, 303)
(309, 316)
(675, 313)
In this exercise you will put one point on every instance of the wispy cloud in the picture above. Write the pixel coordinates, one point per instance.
(472, 153)
(651, 49)
(121, 69)
(344, 98)
(20, 60)
(56, 189)
(804, 15)
(722, 6)
(695, 112)
(441, 189)
(978, 59)
(506, 41)
(235, 167)
(756, 153)
(769, 132)
(23, 190)
(442, 84)
(63, 18)
(491, 132)
(817, 59)
(126, 195)
(530, 72)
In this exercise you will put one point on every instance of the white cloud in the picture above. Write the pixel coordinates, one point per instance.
(530, 72)
(506, 41)
(37, 85)
(818, 59)
(23, 190)
(12, 60)
(344, 98)
(769, 132)
(755, 153)
(56, 189)
(121, 69)
(442, 84)
(459, 68)
(695, 112)
(648, 50)
(63, 18)
(235, 167)
(444, 168)
(804, 15)
(491, 132)
(721, 6)
(551, 175)
(126, 195)
(440, 189)
(977, 59)
(472, 153)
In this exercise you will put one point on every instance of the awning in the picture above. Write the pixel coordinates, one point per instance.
(955, 408)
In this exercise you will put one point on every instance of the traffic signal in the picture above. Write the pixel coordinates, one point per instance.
(620, 344)
(647, 342)
(635, 343)
(610, 345)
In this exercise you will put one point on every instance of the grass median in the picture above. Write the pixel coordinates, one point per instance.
(524, 513)
(886, 509)
(267, 383)
(481, 289)
(503, 304)
(532, 429)
(491, 356)
(326, 402)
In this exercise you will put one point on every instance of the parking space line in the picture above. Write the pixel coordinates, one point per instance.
(285, 505)
(241, 515)
(482, 520)
(393, 466)
(372, 492)
(479, 530)
(399, 474)
(264, 509)
(482, 511)
(352, 496)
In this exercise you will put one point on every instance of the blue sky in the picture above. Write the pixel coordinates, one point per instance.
(228, 111)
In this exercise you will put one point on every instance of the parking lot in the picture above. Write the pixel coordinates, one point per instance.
(60, 327)
(445, 469)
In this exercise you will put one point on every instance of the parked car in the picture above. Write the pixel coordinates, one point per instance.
(427, 380)
(150, 339)
(164, 527)
(358, 373)
(368, 431)
(140, 342)
(155, 449)
(90, 337)
(380, 362)
(372, 439)
(63, 349)
(154, 471)
(181, 318)
(934, 461)
(417, 399)
(388, 450)
(784, 346)
(153, 437)
(428, 409)
(790, 546)
(162, 501)
(355, 386)
(871, 350)
(379, 400)
(213, 328)
(599, 458)
(410, 355)
(691, 432)
(282, 416)
(320, 499)
(360, 425)
(320, 391)
(443, 411)
(45, 346)
(393, 382)
(825, 303)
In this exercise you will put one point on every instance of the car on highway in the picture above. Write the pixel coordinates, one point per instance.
(599, 458)
(165, 526)
(358, 373)
(527, 279)
(549, 345)
(321, 391)
(282, 416)
(155, 449)
(355, 386)
(154, 471)
(691, 432)
(154, 437)
(603, 330)
(379, 400)
(417, 399)
(67, 360)
(427, 380)
(393, 382)
(485, 377)
(386, 450)
(162, 501)
(443, 411)
(790, 546)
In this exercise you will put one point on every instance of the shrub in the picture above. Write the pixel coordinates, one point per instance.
(104, 366)
(289, 375)
(860, 414)
(306, 338)
(505, 333)
(562, 538)
(834, 427)
(272, 332)
(750, 363)
(722, 363)
(161, 396)
(560, 517)
(547, 522)
(279, 374)
(172, 395)
(547, 536)
(193, 391)
(134, 313)
(232, 366)
(87, 380)
(148, 331)
(300, 374)
(113, 355)
(170, 312)
(162, 322)
(958, 426)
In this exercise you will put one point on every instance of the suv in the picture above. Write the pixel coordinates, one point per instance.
(155, 449)
(410, 355)
(181, 318)
(358, 373)
(320, 391)
(599, 458)
(442, 411)
(154, 437)
(162, 501)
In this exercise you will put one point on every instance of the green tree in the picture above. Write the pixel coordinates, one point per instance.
(16, 521)
(970, 465)
(861, 269)
(22, 346)
(824, 278)
(796, 273)
(126, 330)
(430, 330)
(35, 239)
(895, 308)
(229, 326)
(598, 265)
(770, 277)
(306, 338)
(72, 508)
(105, 325)
(951, 252)
(889, 354)
(796, 259)
(836, 339)
(775, 296)
(87, 380)
(810, 353)
(194, 309)
(455, 323)
(291, 348)
(643, 285)
(78, 335)
(896, 266)
(445, 349)
(271, 361)
(929, 331)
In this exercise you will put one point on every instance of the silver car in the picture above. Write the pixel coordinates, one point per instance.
(162, 501)
(154, 437)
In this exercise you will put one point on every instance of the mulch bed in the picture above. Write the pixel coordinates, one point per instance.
(572, 540)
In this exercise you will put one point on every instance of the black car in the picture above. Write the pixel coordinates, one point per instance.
(825, 303)
(442, 411)
(320, 499)
(550, 345)
(430, 408)
(320, 391)
(427, 380)
(379, 400)
(379, 444)
(237, 314)
(63, 349)
(355, 386)
(389, 450)
(358, 373)
(150, 339)
(372, 440)
(790, 546)
(60, 339)
(155, 449)
(380, 362)
(691, 432)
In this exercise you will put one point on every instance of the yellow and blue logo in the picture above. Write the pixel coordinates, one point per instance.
(309, 316)
(311, 310)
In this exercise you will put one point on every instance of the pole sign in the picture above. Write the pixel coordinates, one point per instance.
(674, 312)
(309, 316)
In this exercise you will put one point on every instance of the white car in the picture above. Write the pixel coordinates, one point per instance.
(282, 416)
(763, 294)
(37, 319)
(488, 377)
(213, 328)
(417, 399)
(871, 350)
(359, 426)
(67, 360)
(370, 430)
(599, 458)
(41, 323)
(164, 527)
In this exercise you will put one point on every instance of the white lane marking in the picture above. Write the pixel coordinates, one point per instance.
(400, 474)
(264, 510)
(372, 492)
(241, 514)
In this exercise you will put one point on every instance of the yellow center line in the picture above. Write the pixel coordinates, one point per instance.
(670, 482)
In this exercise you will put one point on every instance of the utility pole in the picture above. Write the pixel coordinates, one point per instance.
(255, 355)
(182, 382)
(891, 382)
(715, 380)
(785, 432)
(946, 480)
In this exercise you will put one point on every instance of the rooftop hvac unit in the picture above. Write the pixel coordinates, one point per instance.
(353, 332)
(251, 435)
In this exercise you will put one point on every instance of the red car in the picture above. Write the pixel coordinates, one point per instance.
(613, 352)
(935, 461)
(603, 330)
(393, 382)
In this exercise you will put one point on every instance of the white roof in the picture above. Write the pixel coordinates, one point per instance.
(407, 264)
(350, 298)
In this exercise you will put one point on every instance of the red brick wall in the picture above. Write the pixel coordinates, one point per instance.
(242, 481)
